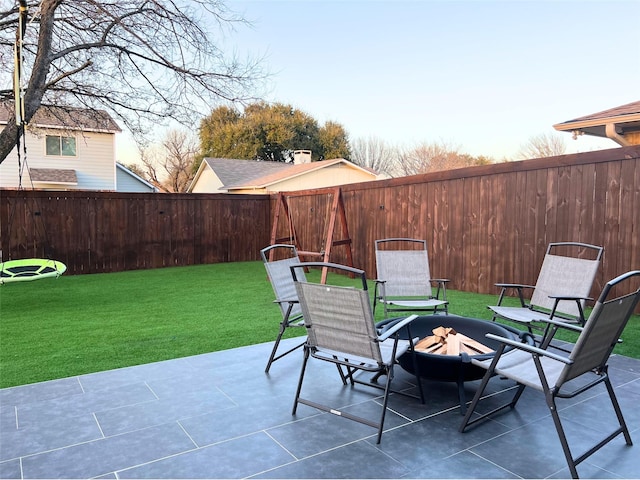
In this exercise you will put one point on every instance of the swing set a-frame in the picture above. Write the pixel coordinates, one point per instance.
(283, 211)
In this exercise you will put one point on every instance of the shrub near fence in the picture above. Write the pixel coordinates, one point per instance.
(483, 224)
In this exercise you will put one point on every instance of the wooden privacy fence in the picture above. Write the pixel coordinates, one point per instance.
(492, 223)
(483, 224)
(95, 232)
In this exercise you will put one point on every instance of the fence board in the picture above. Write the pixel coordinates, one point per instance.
(483, 224)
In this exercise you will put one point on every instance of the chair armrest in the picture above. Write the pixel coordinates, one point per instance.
(517, 286)
(552, 326)
(442, 285)
(559, 298)
(528, 348)
(284, 300)
(560, 324)
(513, 285)
(566, 297)
(393, 330)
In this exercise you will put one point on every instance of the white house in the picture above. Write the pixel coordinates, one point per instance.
(226, 175)
(67, 149)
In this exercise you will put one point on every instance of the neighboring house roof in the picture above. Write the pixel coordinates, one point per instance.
(235, 174)
(292, 171)
(53, 175)
(71, 118)
(620, 124)
(232, 171)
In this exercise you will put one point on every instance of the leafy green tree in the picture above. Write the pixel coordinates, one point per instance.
(269, 132)
(335, 141)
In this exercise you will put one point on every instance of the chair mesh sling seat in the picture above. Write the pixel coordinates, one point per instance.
(279, 275)
(404, 282)
(563, 285)
(341, 330)
(551, 373)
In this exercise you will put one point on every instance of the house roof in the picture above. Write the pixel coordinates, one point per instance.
(66, 117)
(626, 118)
(53, 175)
(292, 170)
(236, 174)
(232, 171)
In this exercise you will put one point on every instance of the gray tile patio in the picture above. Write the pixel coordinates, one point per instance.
(219, 415)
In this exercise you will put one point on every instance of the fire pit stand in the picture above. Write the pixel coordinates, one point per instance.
(454, 368)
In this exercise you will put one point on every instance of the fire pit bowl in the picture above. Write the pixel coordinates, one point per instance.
(453, 368)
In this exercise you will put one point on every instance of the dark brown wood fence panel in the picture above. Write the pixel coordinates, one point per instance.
(482, 224)
(93, 232)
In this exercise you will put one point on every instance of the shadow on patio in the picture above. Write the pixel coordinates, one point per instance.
(219, 415)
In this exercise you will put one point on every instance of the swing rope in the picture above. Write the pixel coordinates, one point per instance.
(34, 268)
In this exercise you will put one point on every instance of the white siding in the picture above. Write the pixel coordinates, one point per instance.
(94, 163)
(208, 182)
(128, 183)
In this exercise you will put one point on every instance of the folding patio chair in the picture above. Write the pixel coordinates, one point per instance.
(285, 292)
(341, 330)
(552, 374)
(564, 284)
(404, 282)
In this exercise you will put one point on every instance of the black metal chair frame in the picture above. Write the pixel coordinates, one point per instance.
(289, 307)
(580, 362)
(352, 363)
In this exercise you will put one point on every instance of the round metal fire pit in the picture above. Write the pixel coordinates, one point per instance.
(453, 368)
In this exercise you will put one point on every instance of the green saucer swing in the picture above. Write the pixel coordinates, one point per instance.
(29, 269)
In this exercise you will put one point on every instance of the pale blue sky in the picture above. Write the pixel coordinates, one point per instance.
(482, 75)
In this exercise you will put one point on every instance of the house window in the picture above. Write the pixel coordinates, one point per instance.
(61, 146)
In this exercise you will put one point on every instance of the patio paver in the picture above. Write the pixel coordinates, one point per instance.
(218, 415)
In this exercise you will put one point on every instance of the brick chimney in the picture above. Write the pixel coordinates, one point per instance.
(301, 156)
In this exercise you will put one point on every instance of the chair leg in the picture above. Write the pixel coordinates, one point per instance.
(616, 407)
(275, 347)
(474, 402)
(385, 401)
(561, 435)
(299, 389)
(466, 421)
(273, 357)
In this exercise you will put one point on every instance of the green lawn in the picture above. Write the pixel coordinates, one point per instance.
(87, 323)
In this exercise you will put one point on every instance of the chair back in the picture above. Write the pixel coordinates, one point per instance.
(405, 271)
(338, 319)
(279, 274)
(563, 275)
(602, 330)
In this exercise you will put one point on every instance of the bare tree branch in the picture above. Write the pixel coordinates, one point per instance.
(144, 61)
(170, 166)
(542, 146)
(374, 153)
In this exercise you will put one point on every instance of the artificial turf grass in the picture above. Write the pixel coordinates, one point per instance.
(88, 323)
(83, 324)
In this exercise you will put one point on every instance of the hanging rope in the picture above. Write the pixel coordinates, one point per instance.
(32, 268)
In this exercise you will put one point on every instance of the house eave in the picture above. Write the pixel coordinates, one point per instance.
(598, 126)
